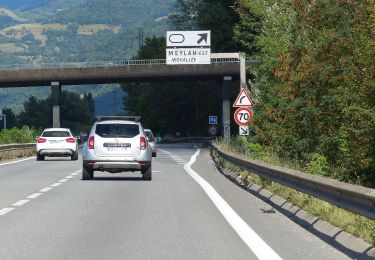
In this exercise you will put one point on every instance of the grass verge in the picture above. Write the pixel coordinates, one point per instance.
(355, 224)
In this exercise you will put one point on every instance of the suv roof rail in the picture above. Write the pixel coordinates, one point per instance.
(129, 118)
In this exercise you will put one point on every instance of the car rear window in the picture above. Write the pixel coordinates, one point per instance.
(56, 134)
(149, 135)
(117, 130)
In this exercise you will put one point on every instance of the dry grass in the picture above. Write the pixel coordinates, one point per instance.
(90, 29)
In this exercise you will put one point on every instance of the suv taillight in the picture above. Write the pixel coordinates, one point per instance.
(91, 142)
(42, 140)
(71, 140)
(143, 143)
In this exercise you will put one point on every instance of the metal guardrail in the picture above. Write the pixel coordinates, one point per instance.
(101, 64)
(13, 147)
(354, 198)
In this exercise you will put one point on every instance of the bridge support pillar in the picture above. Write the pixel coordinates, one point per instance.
(56, 102)
(226, 84)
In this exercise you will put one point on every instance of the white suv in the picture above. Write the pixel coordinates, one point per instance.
(117, 144)
(56, 142)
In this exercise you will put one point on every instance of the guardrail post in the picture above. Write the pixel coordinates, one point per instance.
(56, 99)
(227, 80)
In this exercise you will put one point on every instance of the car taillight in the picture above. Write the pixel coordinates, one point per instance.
(91, 142)
(42, 140)
(71, 140)
(143, 143)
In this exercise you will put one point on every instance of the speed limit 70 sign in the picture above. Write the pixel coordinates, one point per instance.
(243, 116)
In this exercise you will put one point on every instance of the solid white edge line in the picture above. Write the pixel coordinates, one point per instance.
(20, 203)
(247, 234)
(5, 211)
(3, 164)
(34, 195)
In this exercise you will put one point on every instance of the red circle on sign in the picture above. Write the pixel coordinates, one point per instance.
(212, 130)
(243, 116)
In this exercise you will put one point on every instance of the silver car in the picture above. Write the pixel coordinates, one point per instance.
(152, 141)
(117, 144)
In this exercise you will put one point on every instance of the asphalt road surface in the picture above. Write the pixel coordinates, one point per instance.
(188, 211)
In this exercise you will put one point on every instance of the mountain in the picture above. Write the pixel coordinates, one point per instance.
(23, 4)
(41, 31)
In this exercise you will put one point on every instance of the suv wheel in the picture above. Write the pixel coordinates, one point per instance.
(40, 157)
(87, 174)
(147, 173)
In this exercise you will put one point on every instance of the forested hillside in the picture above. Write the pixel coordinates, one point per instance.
(74, 30)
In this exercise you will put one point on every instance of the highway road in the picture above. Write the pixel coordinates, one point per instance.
(188, 211)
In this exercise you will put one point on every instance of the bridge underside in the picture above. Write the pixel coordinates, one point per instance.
(116, 74)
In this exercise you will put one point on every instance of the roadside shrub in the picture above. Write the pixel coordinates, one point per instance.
(318, 165)
(15, 135)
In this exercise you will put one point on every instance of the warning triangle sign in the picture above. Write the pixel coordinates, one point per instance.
(243, 100)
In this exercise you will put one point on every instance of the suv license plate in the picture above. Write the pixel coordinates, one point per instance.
(117, 149)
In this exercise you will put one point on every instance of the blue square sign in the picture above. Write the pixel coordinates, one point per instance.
(212, 120)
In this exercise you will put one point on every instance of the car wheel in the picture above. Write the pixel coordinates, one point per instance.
(147, 173)
(154, 154)
(40, 157)
(74, 157)
(87, 174)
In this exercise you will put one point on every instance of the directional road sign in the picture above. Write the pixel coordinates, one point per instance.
(212, 120)
(243, 100)
(179, 56)
(188, 38)
(243, 116)
(244, 130)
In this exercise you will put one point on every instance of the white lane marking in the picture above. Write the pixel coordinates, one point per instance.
(35, 195)
(63, 180)
(76, 173)
(56, 184)
(20, 203)
(247, 234)
(182, 163)
(5, 211)
(3, 164)
(69, 177)
(46, 189)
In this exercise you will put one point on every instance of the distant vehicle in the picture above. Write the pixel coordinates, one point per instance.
(152, 141)
(56, 142)
(117, 144)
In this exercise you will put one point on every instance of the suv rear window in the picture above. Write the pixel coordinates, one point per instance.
(56, 134)
(117, 130)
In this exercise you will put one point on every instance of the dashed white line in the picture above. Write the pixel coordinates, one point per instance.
(5, 211)
(56, 184)
(246, 233)
(46, 189)
(63, 180)
(35, 195)
(69, 177)
(20, 203)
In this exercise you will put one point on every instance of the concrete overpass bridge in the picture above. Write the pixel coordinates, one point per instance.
(125, 71)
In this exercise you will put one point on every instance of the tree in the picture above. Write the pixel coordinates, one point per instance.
(76, 113)
(11, 120)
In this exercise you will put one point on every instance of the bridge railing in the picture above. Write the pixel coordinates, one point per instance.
(100, 64)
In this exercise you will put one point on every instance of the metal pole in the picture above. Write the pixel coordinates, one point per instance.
(227, 80)
(56, 99)
(5, 121)
(243, 70)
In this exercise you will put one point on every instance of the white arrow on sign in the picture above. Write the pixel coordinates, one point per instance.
(244, 130)
(188, 38)
(243, 100)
